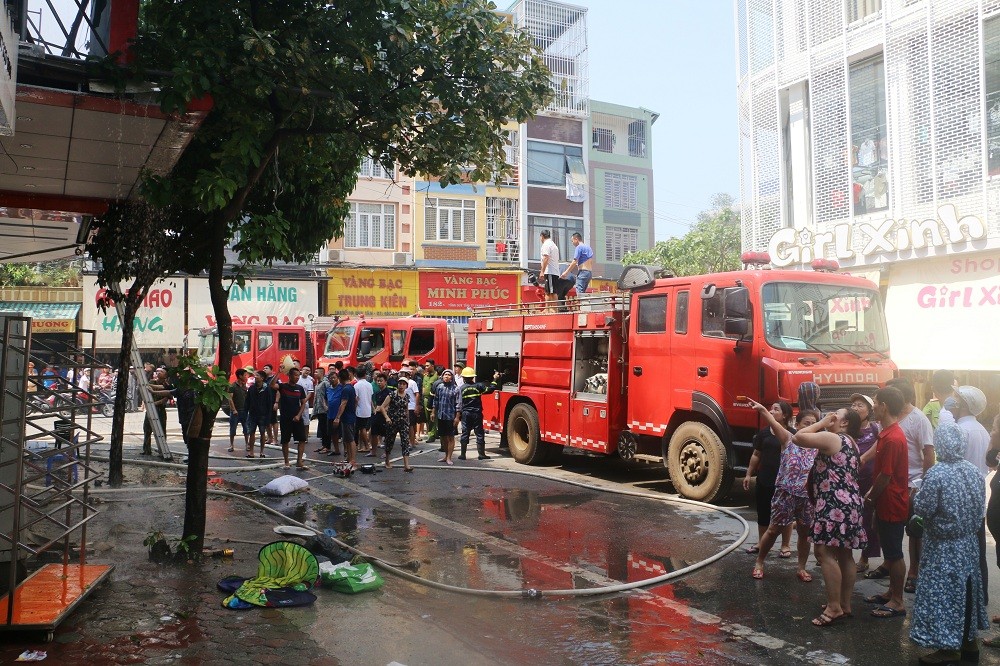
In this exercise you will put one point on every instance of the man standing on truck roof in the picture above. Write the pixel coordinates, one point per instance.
(549, 271)
(583, 263)
(427, 391)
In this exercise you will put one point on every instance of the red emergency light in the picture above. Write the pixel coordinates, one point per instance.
(755, 259)
(825, 265)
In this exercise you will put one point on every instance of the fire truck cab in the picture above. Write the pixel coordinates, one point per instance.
(355, 340)
(662, 371)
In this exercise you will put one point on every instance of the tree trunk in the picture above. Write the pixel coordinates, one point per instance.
(198, 438)
(115, 473)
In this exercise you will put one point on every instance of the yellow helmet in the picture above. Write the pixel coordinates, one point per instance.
(468, 371)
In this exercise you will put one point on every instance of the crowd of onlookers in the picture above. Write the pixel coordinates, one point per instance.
(895, 482)
(358, 410)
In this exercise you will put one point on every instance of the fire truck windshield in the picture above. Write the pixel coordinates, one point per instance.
(340, 341)
(826, 317)
(208, 342)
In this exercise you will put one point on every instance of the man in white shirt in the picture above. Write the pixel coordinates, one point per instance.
(364, 391)
(549, 272)
(307, 382)
(970, 403)
(412, 391)
(920, 444)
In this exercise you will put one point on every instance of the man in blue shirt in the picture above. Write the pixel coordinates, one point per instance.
(346, 416)
(583, 262)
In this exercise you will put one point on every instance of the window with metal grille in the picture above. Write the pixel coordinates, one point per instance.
(512, 151)
(603, 139)
(869, 145)
(860, 9)
(619, 241)
(502, 229)
(991, 52)
(620, 191)
(372, 169)
(637, 138)
(371, 226)
(450, 220)
(562, 229)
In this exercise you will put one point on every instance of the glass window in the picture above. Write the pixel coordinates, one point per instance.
(714, 314)
(288, 341)
(823, 317)
(547, 162)
(652, 314)
(681, 313)
(603, 139)
(619, 241)
(207, 343)
(859, 9)
(869, 149)
(340, 341)
(370, 342)
(264, 340)
(421, 342)
(991, 49)
(621, 191)
(241, 342)
(450, 220)
(371, 226)
(372, 169)
(562, 229)
(398, 345)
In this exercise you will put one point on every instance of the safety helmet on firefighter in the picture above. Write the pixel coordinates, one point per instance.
(468, 372)
(386, 366)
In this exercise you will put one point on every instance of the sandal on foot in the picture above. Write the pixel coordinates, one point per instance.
(878, 599)
(804, 576)
(877, 573)
(884, 611)
(861, 567)
(784, 554)
(757, 573)
(911, 585)
(825, 620)
(752, 550)
(991, 641)
(847, 614)
(250, 455)
(231, 449)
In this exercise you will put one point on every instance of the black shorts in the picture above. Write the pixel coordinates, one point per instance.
(413, 419)
(551, 283)
(347, 433)
(362, 423)
(446, 427)
(890, 536)
(290, 428)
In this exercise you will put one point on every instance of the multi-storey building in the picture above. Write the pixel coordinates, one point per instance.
(870, 134)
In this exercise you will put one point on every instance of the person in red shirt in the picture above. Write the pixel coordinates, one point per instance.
(890, 497)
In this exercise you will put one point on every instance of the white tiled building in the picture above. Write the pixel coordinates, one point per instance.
(870, 134)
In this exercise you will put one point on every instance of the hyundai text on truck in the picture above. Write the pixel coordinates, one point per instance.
(662, 371)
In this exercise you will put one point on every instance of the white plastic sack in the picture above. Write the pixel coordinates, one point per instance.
(284, 485)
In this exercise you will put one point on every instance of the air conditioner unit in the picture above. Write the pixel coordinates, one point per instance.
(402, 259)
(333, 256)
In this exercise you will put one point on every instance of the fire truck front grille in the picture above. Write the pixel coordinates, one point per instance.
(835, 396)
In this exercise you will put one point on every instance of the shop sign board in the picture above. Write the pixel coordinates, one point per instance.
(53, 326)
(945, 313)
(159, 323)
(267, 302)
(374, 293)
(444, 293)
(880, 241)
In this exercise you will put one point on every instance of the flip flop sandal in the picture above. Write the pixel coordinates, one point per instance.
(757, 573)
(884, 612)
(249, 455)
(825, 620)
(877, 573)
(847, 614)
(861, 568)
(752, 550)
(911, 585)
(231, 449)
(785, 554)
(804, 576)
(877, 599)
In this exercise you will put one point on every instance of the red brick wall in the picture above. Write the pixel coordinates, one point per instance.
(451, 253)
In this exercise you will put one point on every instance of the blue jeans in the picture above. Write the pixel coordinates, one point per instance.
(583, 281)
(240, 418)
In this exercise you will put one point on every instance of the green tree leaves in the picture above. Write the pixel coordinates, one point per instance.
(712, 245)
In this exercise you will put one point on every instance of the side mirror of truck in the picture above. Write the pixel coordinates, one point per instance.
(737, 327)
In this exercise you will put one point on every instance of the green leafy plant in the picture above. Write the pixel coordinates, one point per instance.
(183, 544)
(153, 537)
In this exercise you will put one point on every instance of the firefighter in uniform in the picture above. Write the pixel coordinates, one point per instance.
(472, 393)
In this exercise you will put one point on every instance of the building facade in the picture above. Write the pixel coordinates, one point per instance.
(870, 134)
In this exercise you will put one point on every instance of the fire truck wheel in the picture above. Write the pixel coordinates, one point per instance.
(696, 461)
(523, 437)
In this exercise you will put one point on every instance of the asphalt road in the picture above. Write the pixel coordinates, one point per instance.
(478, 526)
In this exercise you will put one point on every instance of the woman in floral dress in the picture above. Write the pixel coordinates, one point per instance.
(837, 526)
(395, 409)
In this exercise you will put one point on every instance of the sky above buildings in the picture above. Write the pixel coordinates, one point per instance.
(677, 58)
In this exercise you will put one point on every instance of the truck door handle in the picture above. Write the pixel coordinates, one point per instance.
(637, 370)
(703, 371)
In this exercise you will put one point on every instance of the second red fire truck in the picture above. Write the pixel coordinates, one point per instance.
(663, 370)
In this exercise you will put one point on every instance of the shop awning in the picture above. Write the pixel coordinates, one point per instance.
(46, 317)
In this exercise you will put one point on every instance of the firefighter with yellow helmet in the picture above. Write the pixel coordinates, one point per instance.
(471, 394)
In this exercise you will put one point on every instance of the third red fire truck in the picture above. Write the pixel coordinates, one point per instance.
(663, 369)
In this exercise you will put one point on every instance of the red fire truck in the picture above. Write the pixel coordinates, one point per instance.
(662, 371)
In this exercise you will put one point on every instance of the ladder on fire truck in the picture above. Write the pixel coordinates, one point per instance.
(142, 385)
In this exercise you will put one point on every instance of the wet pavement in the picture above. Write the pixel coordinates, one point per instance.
(472, 526)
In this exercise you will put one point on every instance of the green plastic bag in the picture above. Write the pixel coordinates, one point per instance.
(351, 578)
